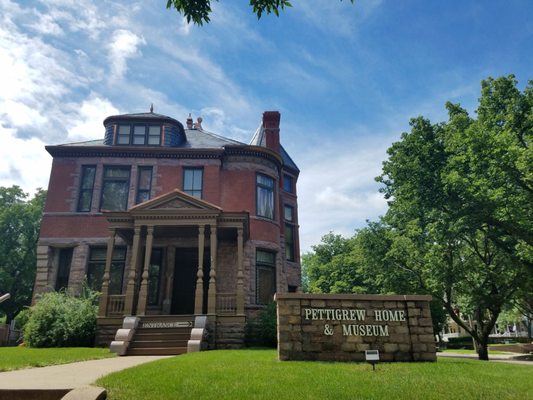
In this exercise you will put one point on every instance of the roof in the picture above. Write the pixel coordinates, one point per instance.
(150, 116)
(196, 139)
(287, 160)
(200, 139)
(259, 139)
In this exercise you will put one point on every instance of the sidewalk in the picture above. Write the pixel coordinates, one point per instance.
(69, 376)
(506, 358)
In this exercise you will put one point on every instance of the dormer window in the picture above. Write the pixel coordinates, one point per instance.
(139, 134)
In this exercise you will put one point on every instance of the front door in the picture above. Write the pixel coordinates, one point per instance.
(183, 291)
(184, 281)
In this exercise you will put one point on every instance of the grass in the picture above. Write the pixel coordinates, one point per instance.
(257, 374)
(466, 351)
(23, 357)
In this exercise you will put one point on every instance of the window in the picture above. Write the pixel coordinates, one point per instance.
(266, 276)
(288, 184)
(265, 196)
(86, 188)
(154, 135)
(63, 268)
(144, 184)
(115, 187)
(289, 232)
(123, 134)
(154, 276)
(192, 181)
(96, 268)
(139, 134)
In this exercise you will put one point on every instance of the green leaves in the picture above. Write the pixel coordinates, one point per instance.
(460, 203)
(60, 319)
(460, 219)
(268, 6)
(19, 231)
(198, 11)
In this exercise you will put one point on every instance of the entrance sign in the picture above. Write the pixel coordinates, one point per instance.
(166, 324)
(344, 327)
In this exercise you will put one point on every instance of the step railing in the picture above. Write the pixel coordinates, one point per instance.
(115, 305)
(227, 303)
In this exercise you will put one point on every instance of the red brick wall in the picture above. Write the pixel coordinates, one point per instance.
(212, 184)
(74, 226)
(61, 179)
(232, 187)
(238, 191)
(169, 178)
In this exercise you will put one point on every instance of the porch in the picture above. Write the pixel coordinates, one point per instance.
(189, 236)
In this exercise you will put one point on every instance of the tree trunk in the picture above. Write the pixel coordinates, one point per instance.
(482, 351)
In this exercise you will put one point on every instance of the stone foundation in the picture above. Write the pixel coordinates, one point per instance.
(342, 327)
(230, 332)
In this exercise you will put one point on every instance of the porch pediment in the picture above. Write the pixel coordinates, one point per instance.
(176, 200)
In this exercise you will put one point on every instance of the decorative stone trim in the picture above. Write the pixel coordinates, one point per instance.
(198, 341)
(124, 335)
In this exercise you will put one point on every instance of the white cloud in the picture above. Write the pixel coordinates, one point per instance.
(21, 115)
(35, 77)
(91, 113)
(337, 183)
(185, 27)
(23, 162)
(47, 25)
(124, 45)
(341, 18)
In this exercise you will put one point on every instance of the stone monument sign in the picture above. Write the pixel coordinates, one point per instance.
(341, 327)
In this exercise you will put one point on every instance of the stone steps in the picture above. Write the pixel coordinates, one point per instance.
(161, 335)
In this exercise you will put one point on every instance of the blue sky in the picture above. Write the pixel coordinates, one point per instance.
(346, 79)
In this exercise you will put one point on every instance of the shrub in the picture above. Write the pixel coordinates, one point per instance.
(461, 342)
(22, 318)
(60, 319)
(262, 330)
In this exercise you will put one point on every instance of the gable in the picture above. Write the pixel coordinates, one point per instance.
(175, 200)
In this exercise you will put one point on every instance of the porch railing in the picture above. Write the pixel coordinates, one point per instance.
(226, 303)
(115, 305)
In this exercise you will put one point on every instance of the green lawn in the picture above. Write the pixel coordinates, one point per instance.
(257, 374)
(22, 357)
(464, 351)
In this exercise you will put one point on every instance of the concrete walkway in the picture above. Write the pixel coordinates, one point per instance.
(505, 358)
(69, 376)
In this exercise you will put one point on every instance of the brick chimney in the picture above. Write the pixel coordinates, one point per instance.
(271, 127)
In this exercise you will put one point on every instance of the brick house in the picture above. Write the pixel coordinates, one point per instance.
(171, 223)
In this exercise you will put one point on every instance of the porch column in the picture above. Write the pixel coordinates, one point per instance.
(102, 309)
(130, 288)
(240, 273)
(212, 294)
(169, 275)
(199, 294)
(143, 293)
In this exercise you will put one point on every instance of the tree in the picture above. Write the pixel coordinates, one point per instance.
(330, 268)
(198, 11)
(360, 265)
(523, 305)
(19, 231)
(460, 196)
